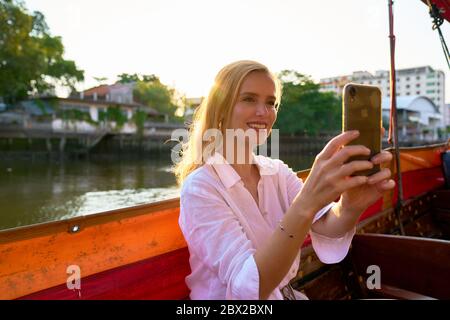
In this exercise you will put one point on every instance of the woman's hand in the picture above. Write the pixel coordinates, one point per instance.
(330, 176)
(356, 200)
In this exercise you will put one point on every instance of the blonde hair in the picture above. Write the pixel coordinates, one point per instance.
(215, 112)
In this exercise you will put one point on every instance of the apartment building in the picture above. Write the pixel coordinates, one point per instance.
(419, 81)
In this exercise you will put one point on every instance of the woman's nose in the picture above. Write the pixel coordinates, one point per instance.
(261, 109)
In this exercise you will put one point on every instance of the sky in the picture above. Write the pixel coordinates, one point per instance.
(186, 43)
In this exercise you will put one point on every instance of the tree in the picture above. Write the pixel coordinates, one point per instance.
(150, 91)
(304, 109)
(101, 80)
(127, 78)
(31, 60)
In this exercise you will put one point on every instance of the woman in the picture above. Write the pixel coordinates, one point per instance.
(245, 218)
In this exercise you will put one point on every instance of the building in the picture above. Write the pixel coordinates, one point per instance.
(191, 104)
(420, 81)
(75, 115)
(95, 107)
(418, 118)
(118, 92)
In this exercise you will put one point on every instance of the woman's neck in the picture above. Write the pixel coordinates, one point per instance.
(242, 161)
(245, 171)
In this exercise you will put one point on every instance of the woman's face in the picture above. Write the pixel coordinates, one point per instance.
(255, 108)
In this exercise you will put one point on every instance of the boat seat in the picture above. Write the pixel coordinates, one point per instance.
(441, 210)
(391, 292)
(410, 267)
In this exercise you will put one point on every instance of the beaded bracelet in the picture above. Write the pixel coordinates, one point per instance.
(282, 229)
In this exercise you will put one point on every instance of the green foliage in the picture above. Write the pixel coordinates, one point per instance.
(178, 119)
(77, 115)
(139, 118)
(41, 106)
(306, 110)
(100, 80)
(127, 78)
(155, 94)
(113, 113)
(151, 92)
(31, 60)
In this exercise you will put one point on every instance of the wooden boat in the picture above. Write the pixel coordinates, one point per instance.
(140, 253)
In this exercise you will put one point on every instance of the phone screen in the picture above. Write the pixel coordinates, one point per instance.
(362, 111)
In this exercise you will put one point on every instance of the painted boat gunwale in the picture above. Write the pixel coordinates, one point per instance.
(168, 207)
(46, 228)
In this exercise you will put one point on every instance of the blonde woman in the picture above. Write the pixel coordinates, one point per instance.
(245, 216)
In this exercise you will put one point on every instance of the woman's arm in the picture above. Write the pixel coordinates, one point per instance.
(275, 258)
(328, 179)
(344, 215)
(336, 223)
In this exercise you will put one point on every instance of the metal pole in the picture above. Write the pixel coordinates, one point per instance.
(393, 126)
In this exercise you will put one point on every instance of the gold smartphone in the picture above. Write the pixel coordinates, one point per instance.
(361, 110)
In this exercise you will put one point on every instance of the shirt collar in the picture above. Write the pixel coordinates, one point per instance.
(230, 177)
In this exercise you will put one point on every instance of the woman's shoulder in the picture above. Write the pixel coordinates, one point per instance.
(200, 179)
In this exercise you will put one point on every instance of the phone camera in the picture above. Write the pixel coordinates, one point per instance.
(352, 92)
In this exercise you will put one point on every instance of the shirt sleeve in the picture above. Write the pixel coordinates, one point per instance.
(214, 234)
(328, 250)
(331, 250)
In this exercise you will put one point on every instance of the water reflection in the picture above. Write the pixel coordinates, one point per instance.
(92, 202)
(38, 191)
(35, 192)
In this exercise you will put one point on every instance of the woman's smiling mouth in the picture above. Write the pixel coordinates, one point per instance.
(257, 125)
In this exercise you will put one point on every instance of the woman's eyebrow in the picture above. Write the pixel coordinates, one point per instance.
(254, 94)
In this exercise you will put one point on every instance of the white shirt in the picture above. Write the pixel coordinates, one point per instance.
(223, 226)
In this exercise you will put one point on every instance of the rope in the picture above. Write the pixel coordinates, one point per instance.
(435, 14)
(393, 125)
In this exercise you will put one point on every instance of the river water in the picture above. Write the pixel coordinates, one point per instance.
(40, 191)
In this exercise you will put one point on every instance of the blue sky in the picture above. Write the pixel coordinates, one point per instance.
(187, 42)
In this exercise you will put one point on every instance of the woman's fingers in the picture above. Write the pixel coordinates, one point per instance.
(351, 167)
(382, 157)
(379, 176)
(385, 185)
(336, 143)
(349, 151)
(353, 182)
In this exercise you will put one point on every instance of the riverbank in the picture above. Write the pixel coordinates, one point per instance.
(135, 147)
(36, 190)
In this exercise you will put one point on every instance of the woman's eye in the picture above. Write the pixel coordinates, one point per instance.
(248, 99)
(271, 104)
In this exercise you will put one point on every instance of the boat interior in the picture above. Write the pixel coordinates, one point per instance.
(412, 265)
(398, 252)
